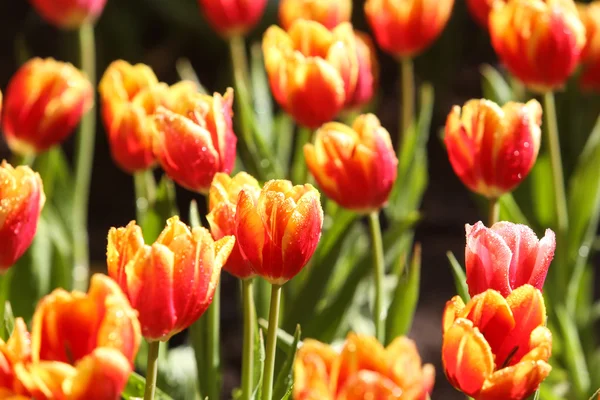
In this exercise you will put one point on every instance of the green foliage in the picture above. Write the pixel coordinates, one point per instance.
(135, 389)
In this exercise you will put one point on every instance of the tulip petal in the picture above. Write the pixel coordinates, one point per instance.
(312, 371)
(250, 230)
(516, 382)
(359, 353)
(370, 385)
(452, 311)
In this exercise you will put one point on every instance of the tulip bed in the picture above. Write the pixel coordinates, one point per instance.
(312, 208)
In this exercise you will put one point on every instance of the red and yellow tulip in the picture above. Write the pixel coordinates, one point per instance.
(69, 14)
(170, 283)
(232, 17)
(329, 13)
(481, 9)
(590, 58)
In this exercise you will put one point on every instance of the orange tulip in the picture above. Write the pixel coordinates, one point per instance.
(313, 71)
(492, 149)
(194, 140)
(45, 101)
(539, 41)
(404, 28)
(172, 282)
(279, 231)
(232, 17)
(480, 10)
(222, 203)
(364, 369)
(81, 346)
(496, 347)
(367, 79)
(21, 201)
(356, 167)
(69, 14)
(590, 16)
(329, 13)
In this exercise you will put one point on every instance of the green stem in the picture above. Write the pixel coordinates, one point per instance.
(494, 211)
(408, 99)
(84, 157)
(151, 370)
(213, 391)
(5, 280)
(249, 327)
(145, 196)
(557, 168)
(379, 271)
(299, 173)
(19, 159)
(267, 389)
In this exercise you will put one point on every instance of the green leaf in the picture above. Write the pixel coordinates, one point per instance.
(135, 389)
(186, 72)
(406, 296)
(494, 85)
(510, 210)
(285, 378)
(285, 341)
(177, 375)
(460, 279)
(197, 333)
(541, 194)
(259, 363)
(195, 221)
(62, 250)
(573, 354)
(263, 103)
(284, 126)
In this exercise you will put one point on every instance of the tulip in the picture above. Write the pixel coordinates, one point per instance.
(329, 13)
(82, 346)
(314, 72)
(195, 139)
(368, 72)
(590, 57)
(539, 41)
(496, 347)
(404, 28)
(480, 10)
(279, 231)
(69, 14)
(172, 282)
(363, 369)
(21, 201)
(492, 149)
(232, 18)
(222, 203)
(130, 94)
(44, 102)
(356, 167)
(506, 257)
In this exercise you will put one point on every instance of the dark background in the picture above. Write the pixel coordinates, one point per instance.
(159, 32)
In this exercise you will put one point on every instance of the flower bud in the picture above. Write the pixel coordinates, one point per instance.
(222, 204)
(404, 28)
(170, 283)
(539, 41)
(232, 18)
(590, 57)
(21, 201)
(69, 14)
(492, 149)
(195, 139)
(356, 167)
(279, 231)
(329, 13)
(506, 256)
(496, 347)
(44, 102)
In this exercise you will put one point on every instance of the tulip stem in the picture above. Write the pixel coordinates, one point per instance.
(557, 169)
(145, 196)
(407, 113)
(494, 212)
(5, 279)
(379, 271)
(267, 389)
(249, 326)
(213, 314)
(84, 157)
(151, 370)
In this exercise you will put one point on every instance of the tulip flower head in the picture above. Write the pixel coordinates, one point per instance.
(495, 347)
(21, 201)
(232, 18)
(222, 204)
(69, 14)
(81, 346)
(404, 28)
(172, 282)
(539, 41)
(44, 102)
(194, 140)
(492, 149)
(480, 10)
(363, 369)
(506, 256)
(356, 167)
(329, 13)
(279, 231)
(314, 72)
(590, 58)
